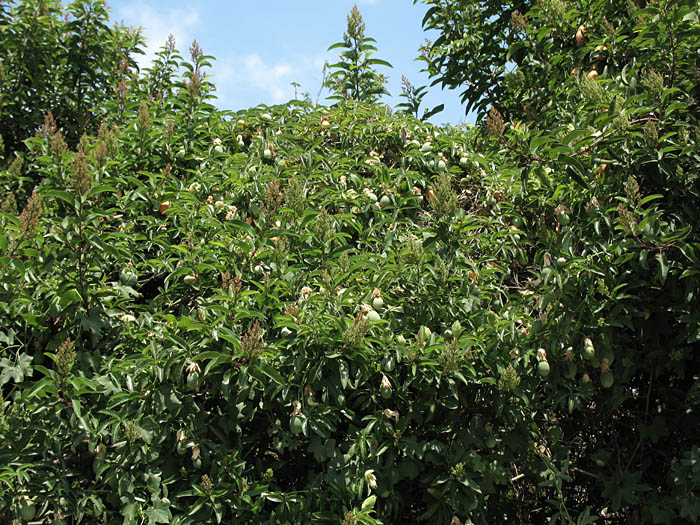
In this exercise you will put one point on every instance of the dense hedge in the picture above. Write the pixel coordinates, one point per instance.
(294, 313)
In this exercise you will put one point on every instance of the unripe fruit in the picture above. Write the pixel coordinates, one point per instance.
(580, 40)
(267, 153)
(388, 363)
(570, 370)
(266, 116)
(377, 303)
(296, 424)
(192, 380)
(490, 442)
(386, 392)
(464, 161)
(543, 368)
(562, 218)
(588, 349)
(607, 379)
(401, 340)
(27, 509)
(373, 316)
(385, 201)
(441, 165)
(189, 279)
(426, 147)
(128, 277)
(218, 149)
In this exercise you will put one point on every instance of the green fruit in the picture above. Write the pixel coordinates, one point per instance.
(426, 147)
(424, 333)
(563, 219)
(254, 209)
(386, 392)
(588, 352)
(267, 154)
(543, 368)
(128, 277)
(490, 442)
(189, 279)
(27, 509)
(441, 165)
(197, 463)
(373, 316)
(296, 424)
(377, 303)
(192, 380)
(388, 363)
(607, 379)
(570, 370)
(181, 448)
(218, 149)
(464, 161)
(385, 201)
(401, 340)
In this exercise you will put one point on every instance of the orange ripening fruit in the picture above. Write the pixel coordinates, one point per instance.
(580, 40)
(592, 74)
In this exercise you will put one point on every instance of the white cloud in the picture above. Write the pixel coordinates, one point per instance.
(250, 79)
(157, 25)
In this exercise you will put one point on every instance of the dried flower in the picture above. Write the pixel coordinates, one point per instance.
(29, 218)
(207, 485)
(65, 357)
(80, 173)
(252, 343)
(494, 123)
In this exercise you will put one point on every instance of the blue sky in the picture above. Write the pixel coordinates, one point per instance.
(262, 46)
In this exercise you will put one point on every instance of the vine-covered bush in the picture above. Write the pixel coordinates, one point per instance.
(299, 314)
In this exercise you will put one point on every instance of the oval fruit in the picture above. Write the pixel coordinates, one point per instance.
(588, 352)
(189, 279)
(385, 201)
(490, 442)
(164, 206)
(464, 161)
(377, 303)
(563, 219)
(401, 340)
(27, 509)
(543, 368)
(373, 316)
(570, 370)
(607, 379)
(386, 392)
(388, 363)
(192, 380)
(296, 424)
(267, 153)
(128, 278)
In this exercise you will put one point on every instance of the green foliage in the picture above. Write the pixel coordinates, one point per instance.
(297, 314)
(63, 59)
(354, 76)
